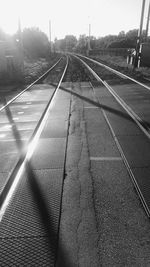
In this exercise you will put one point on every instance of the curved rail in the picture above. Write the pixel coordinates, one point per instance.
(124, 76)
(138, 122)
(26, 155)
(29, 86)
(141, 124)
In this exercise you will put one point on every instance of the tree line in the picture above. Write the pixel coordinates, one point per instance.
(122, 40)
(35, 43)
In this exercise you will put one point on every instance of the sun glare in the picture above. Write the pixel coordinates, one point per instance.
(71, 17)
(9, 16)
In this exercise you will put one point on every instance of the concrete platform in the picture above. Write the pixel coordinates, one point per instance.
(88, 190)
(30, 224)
(103, 222)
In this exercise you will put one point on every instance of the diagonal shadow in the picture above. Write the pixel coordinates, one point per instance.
(51, 229)
(15, 131)
(124, 115)
(40, 201)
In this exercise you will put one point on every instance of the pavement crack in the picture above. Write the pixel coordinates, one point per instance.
(78, 232)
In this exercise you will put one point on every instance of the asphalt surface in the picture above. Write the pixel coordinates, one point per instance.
(102, 222)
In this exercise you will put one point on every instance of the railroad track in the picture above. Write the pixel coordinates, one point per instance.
(30, 203)
(28, 175)
(18, 133)
(125, 104)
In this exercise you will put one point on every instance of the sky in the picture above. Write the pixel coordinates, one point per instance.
(72, 16)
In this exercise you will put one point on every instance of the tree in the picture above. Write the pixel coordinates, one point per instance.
(81, 45)
(124, 43)
(127, 40)
(104, 42)
(70, 42)
(121, 34)
(35, 42)
(4, 36)
(132, 34)
(66, 44)
(59, 44)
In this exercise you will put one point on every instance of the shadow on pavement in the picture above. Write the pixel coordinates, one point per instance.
(52, 232)
(122, 114)
(15, 131)
(51, 229)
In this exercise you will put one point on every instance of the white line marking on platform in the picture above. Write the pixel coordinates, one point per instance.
(13, 140)
(91, 107)
(106, 158)
(2, 135)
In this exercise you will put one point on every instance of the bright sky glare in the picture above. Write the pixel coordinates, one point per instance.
(72, 16)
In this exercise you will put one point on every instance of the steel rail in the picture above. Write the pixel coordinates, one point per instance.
(26, 155)
(130, 112)
(146, 208)
(135, 118)
(124, 76)
(29, 86)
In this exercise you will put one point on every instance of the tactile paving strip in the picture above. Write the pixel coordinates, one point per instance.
(29, 228)
(7, 164)
(28, 252)
(31, 237)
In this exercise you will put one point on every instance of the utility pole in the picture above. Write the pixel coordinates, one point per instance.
(147, 24)
(89, 30)
(89, 38)
(139, 38)
(50, 37)
(20, 43)
(19, 34)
